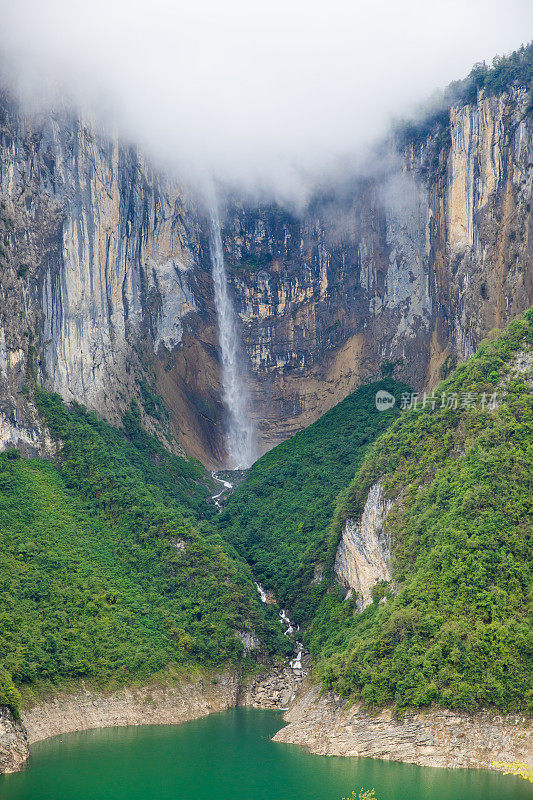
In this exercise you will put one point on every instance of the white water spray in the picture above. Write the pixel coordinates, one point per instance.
(240, 435)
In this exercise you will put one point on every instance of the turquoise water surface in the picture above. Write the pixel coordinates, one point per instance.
(228, 756)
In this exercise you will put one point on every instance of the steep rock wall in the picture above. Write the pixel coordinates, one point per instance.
(416, 264)
(363, 553)
(13, 743)
(100, 270)
(326, 297)
(106, 283)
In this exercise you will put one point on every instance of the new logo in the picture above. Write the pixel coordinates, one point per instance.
(384, 400)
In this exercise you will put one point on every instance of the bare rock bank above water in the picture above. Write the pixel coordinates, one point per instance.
(433, 738)
(87, 708)
(13, 743)
(438, 738)
(147, 705)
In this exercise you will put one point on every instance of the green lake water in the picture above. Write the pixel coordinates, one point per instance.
(228, 756)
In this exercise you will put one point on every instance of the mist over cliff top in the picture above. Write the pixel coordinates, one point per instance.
(264, 96)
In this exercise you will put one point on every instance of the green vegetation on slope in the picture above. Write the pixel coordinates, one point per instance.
(505, 72)
(456, 628)
(104, 573)
(114, 568)
(279, 517)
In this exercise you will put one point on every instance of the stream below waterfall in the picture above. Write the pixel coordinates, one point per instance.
(226, 490)
(291, 629)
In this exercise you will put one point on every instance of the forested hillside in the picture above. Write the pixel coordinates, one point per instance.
(455, 629)
(114, 568)
(279, 517)
(104, 573)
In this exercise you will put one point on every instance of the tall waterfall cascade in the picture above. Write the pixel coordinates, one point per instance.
(240, 435)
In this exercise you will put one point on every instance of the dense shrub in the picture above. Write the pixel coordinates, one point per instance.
(92, 582)
(279, 517)
(456, 631)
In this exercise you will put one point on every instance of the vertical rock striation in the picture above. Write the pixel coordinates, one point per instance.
(106, 276)
(364, 550)
(102, 253)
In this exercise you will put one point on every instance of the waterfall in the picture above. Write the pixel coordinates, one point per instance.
(240, 436)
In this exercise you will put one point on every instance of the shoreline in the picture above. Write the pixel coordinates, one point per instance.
(86, 708)
(313, 720)
(320, 723)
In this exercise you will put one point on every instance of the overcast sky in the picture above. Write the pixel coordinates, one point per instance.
(252, 91)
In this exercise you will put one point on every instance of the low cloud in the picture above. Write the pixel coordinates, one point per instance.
(263, 95)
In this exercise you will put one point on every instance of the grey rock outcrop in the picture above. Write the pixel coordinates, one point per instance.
(363, 553)
(13, 743)
(432, 738)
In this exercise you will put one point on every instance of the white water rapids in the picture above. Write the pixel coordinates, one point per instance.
(226, 485)
(290, 630)
(240, 436)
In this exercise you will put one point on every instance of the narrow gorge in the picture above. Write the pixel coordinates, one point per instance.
(273, 455)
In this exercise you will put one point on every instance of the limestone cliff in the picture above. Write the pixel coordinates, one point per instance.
(363, 555)
(107, 293)
(416, 264)
(100, 268)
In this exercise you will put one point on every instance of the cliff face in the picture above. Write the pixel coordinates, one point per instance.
(363, 553)
(107, 293)
(100, 270)
(13, 743)
(479, 222)
(417, 265)
(326, 298)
